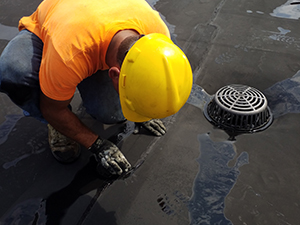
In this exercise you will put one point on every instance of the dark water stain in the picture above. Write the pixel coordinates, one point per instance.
(214, 181)
(29, 212)
(86, 180)
(7, 126)
(51, 210)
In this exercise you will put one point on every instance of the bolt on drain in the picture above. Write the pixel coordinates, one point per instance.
(239, 109)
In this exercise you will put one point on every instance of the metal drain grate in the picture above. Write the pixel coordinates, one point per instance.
(239, 108)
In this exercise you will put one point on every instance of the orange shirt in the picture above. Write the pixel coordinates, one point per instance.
(76, 35)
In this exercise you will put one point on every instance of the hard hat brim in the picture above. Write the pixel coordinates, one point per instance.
(131, 115)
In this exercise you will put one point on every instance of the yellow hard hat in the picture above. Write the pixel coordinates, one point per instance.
(155, 79)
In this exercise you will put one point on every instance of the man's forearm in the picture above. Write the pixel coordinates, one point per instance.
(69, 125)
(62, 119)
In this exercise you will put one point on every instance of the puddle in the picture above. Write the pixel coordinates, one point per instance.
(284, 36)
(281, 35)
(284, 96)
(198, 97)
(287, 11)
(214, 181)
(258, 12)
(7, 32)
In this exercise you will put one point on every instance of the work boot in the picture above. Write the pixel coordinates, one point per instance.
(63, 149)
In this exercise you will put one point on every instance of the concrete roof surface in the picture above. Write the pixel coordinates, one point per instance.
(195, 174)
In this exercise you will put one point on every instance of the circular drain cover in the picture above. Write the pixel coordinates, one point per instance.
(240, 109)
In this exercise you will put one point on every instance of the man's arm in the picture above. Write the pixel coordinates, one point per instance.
(62, 119)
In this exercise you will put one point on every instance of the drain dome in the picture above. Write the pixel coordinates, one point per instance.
(239, 109)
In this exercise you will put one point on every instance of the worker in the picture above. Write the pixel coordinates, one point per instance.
(120, 57)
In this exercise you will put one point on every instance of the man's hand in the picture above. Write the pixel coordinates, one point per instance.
(155, 126)
(110, 157)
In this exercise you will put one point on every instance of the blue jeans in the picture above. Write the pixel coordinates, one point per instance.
(19, 79)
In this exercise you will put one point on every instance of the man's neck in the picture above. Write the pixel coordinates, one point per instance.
(111, 54)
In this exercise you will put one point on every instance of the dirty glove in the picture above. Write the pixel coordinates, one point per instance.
(110, 157)
(155, 126)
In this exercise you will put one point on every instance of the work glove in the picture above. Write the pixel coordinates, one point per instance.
(154, 126)
(109, 156)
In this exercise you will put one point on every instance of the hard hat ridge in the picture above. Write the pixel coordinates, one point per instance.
(155, 79)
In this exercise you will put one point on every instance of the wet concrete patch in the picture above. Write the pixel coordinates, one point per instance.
(284, 96)
(199, 97)
(214, 181)
(289, 10)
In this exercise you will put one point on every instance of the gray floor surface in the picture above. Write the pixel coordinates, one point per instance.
(194, 174)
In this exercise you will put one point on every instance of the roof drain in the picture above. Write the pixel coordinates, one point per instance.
(239, 109)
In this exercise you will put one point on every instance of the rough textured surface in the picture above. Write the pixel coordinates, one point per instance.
(193, 174)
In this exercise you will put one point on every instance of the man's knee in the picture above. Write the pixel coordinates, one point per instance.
(9, 64)
(18, 73)
(5, 70)
(10, 81)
